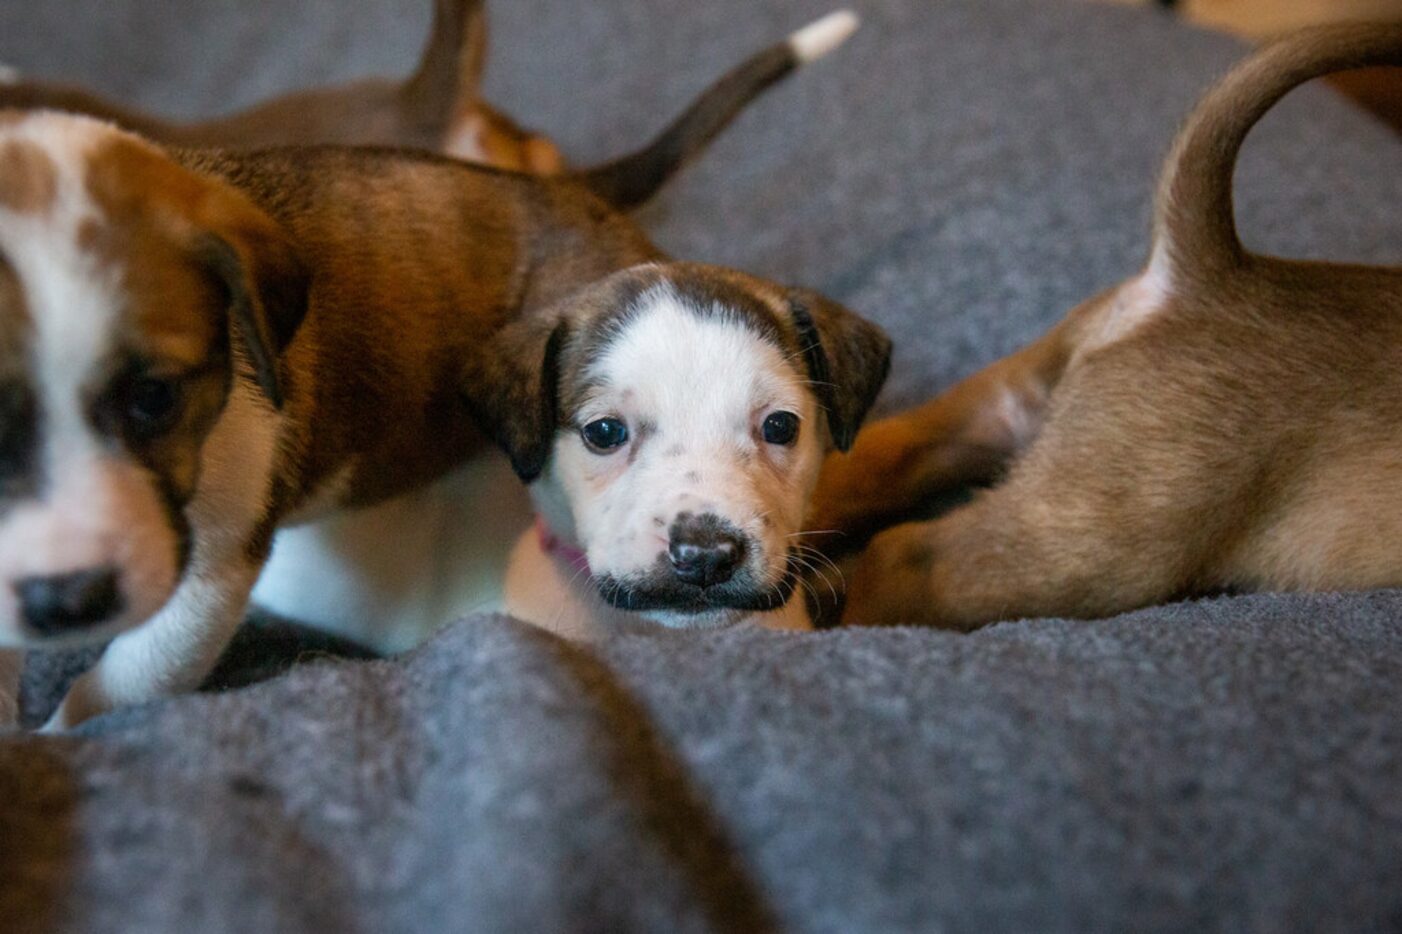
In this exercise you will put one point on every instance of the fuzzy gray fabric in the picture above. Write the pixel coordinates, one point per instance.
(964, 172)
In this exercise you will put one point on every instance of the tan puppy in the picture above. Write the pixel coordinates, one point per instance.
(197, 350)
(1221, 421)
(438, 107)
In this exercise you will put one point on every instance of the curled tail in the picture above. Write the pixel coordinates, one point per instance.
(1194, 226)
(633, 179)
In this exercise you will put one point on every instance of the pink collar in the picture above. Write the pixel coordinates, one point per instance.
(555, 547)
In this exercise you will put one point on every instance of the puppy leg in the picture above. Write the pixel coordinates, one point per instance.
(1046, 543)
(974, 567)
(171, 652)
(11, 666)
(965, 436)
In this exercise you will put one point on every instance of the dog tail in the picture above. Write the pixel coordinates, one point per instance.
(449, 75)
(633, 179)
(1194, 226)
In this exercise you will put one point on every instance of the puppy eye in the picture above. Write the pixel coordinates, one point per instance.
(781, 428)
(605, 434)
(152, 405)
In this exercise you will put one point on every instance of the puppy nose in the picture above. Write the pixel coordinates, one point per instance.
(704, 551)
(64, 602)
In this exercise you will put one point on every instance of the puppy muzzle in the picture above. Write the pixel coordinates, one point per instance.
(662, 589)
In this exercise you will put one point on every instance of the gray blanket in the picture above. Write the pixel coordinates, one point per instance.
(964, 172)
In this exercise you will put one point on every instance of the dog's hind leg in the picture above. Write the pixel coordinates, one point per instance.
(1006, 556)
(965, 436)
(1094, 519)
(11, 665)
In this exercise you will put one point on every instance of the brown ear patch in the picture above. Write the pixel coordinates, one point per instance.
(28, 178)
(512, 386)
(848, 359)
(199, 223)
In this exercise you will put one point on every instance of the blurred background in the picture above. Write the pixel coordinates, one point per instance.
(1261, 18)
(1379, 89)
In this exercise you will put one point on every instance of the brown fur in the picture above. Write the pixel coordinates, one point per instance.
(28, 182)
(455, 254)
(14, 317)
(440, 101)
(1226, 421)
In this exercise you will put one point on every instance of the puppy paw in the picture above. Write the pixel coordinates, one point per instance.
(891, 582)
(78, 705)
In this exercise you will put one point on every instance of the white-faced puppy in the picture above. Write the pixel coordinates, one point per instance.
(197, 348)
(1221, 421)
(672, 420)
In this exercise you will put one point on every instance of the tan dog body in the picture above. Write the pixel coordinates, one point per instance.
(197, 350)
(1224, 421)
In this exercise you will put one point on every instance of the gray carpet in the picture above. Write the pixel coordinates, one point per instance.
(964, 172)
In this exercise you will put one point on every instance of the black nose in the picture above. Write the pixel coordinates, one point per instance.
(704, 550)
(63, 602)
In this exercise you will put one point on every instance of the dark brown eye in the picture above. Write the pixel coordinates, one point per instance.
(605, 434)
(152, 405)
(781, 428)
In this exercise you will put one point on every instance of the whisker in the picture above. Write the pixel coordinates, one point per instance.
(809, 566)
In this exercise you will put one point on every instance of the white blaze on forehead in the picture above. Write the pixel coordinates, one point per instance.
(699, 375)
(94, 507)
(72, 300)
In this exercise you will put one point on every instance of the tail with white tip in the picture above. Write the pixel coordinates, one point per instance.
(633, 179)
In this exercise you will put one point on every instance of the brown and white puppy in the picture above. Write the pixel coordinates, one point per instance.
(1223, 420)
(198, 348)
(672, 420)
(439, 107)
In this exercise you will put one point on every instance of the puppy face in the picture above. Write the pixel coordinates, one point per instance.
(685, 428)
(118, 273)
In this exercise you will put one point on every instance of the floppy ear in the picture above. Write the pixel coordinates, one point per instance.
(847, 356)
(266, 285)
(512, 386)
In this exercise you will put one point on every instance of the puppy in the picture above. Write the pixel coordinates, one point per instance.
(200, 347)
(438, 108)
(1223, 420)
(671, 420)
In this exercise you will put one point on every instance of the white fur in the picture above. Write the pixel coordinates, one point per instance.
(450, 544)
(464, 139)
(96, 509)
(9, 74)
(706, 383)
(822, 36)
(1132, 304)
